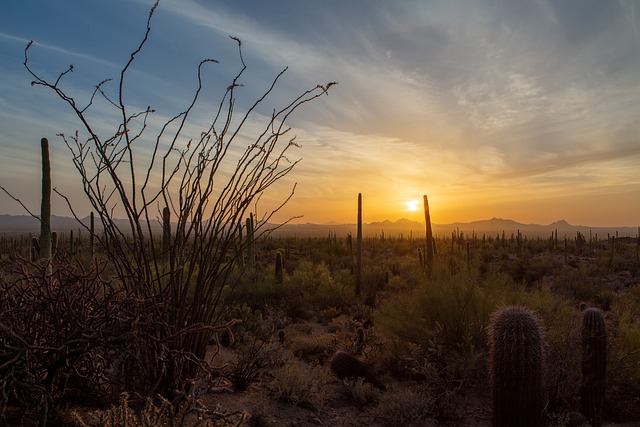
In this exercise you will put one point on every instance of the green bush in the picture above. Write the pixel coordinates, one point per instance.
(312, 287)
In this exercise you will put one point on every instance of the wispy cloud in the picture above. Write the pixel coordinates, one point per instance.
(516, 100)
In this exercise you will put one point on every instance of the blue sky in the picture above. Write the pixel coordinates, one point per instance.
(528, 110)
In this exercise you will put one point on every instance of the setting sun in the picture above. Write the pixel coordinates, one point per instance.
(413, 205)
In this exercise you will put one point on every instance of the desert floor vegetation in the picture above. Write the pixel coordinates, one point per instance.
(424, 337)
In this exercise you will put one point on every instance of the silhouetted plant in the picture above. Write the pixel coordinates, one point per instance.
(428, 238)
(166, 235)
(57, 327)
(279, 267)
(181, 304)
(45, 206)
(359, 247)
(516, 368)
(594, 365)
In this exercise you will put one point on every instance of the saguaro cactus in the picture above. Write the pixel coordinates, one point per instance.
(92, 234)
(166, 234)
(279, 267)
(516, 368)
(240, 246)
(429, 237)
(359, 247)
(594, 365)
(45, 205)
(250, 241)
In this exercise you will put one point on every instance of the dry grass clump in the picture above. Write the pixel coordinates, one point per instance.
(159, 413)
(310, 347)
(361, 392)
(296, 384)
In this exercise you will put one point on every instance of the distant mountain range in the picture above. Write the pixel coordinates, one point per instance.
(487, 227)
(15, 224)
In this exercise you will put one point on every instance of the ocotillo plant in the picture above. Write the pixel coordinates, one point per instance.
(359, 247)
(594, 365)
(166, 234)
(429, 237)
(279, 267)
(516, 368)
(45, 205)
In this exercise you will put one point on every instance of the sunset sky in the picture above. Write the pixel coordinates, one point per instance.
(527, 110)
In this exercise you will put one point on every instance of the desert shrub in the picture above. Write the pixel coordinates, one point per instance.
(250, 323)
(255, 289)
(403, 406)
(311, 288)
(325, 316)
(445, 314)
(623, 361)
(296, 384)
(310, 347)
(398, 284)
(58, 332)
(576, 283)
(253, 357)
(361, 392)
(159, 413)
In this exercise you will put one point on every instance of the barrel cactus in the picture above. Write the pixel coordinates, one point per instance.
(516, 367)
(594, 363)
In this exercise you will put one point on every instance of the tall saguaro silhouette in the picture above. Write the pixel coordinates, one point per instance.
(359, 248)
(45, 205)
(428, 259)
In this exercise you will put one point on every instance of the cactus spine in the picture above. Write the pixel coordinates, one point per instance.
(594, 365)
(45, 205)
(279, 267)
(516, 368)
